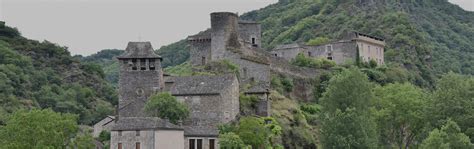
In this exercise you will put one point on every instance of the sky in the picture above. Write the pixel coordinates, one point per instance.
(88, 26)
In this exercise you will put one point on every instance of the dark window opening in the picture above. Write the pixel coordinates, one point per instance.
(329, 58)
(309, 54)
(252, 79)
(245, 73)
(142, 64)
(120, 132)
(120, 146)
(253, 41)
(137, 145)
(137, 133)
(192, 144)
(276, 55)
(151, 64)
(203, 60)
(134, 64)
(212, 144)
(199, 144)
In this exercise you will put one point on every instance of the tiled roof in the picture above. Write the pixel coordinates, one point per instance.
(141, 123)
(139, 50)
(201, 85)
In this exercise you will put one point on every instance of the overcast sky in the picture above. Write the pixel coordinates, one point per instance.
(87, 26)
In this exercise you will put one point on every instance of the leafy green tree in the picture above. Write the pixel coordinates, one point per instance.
(164, 105)
(230, 141)
(104, 136)
(38, 129)
(346, 121)
(258, 132)
(450, 136)
(82, 140)
(453, 99)
(399, 113)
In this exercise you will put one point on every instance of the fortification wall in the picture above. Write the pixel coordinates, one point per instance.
(282, 66)
(224, 33)
(200, 52)
(251, 33)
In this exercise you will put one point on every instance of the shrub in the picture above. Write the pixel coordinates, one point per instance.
(164, 105)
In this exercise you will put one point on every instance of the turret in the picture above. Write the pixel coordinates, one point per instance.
(224, 33)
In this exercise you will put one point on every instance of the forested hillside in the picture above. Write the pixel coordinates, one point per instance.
(427, 37)
(41, 75)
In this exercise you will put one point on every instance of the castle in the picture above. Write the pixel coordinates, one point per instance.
(212, 100)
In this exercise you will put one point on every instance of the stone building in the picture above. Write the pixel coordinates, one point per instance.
(353, 45)
(140, 77)
(212, 100)
(235, 40)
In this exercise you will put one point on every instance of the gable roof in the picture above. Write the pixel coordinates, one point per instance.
(139, 50)
(202, 85)
(142, 123)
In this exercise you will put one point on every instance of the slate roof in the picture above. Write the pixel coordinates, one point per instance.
(143, 123)
(201, 85)
(139, 50)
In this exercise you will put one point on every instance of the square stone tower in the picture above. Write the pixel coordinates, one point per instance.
(141, 76)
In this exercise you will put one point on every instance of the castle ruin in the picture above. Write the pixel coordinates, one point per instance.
(214, 100)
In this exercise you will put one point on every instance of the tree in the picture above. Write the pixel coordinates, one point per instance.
(399, 112)
(259, 132)
(453, 98)
(346, 121)
(165, 106)
(38, 129)
(230, 141)
(450, 136)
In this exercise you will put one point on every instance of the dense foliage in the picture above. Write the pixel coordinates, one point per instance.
(43, 75)
(166, 106)
(38, 129)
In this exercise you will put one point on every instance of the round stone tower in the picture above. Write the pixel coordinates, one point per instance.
(224, 33)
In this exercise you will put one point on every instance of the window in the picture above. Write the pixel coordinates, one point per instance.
(212, 144)
(120, 132)
(203, 60)
(254, 41)
(137, 133)
(276, 55)
(329, 48)
(137, 145)
(125, 61)
(369, 49)
(142, 64)
(245, 73)
(151, 64)
(119, 145)
(134, 64)
(329, 58)
(309, 54)
(195, 143)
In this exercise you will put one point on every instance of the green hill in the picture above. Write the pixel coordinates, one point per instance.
(37, 74)
(428, 37)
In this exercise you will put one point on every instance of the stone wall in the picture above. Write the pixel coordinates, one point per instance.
(370, 51)
(224, 33)
(105, 124)
(288, 54)
(200, 52)
(171, 139)
(340, 52)
(249, 31)
(282, 66)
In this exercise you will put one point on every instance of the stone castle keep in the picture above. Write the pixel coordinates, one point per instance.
(212, 100)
